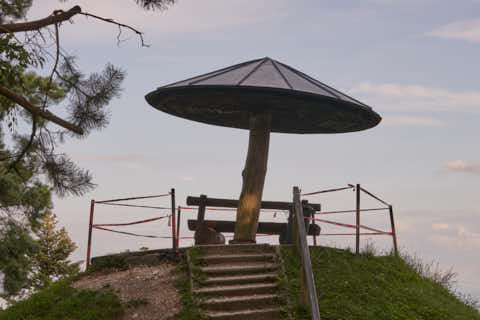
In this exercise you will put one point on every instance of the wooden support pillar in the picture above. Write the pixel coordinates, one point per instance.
(253, 179)
(201, 209)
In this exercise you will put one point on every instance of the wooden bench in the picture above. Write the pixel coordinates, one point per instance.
(229, 226)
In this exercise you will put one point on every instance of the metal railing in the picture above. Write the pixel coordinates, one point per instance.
(310, 289)
(114, 202)
(357, 211)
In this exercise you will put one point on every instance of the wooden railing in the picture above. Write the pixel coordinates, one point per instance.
(308, 285)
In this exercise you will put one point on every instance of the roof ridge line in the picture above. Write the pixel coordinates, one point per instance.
(339, 92)
(313, 81)
(281, 74)
(334, 91)
(252, 71)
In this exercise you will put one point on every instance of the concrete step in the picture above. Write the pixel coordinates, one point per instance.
(237, 290)
(237, 303)
(236, 248)
(237, 269)
(239, 279)
(238, 257)
(249, 314)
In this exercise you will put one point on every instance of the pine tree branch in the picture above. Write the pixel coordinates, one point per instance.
(120, 25)
(57, 57)
(57, 16)
(39, 111)
(29, 143)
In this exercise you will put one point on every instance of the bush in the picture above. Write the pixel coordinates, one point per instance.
(61, 301)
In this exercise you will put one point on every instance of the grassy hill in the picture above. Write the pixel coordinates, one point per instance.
(62, 301)
(367, 287)
(371, 287)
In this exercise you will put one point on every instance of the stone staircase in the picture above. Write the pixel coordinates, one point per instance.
(237, 281)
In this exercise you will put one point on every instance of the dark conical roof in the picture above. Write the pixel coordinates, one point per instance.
(298, 103)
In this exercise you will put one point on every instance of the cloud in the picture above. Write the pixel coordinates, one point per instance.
(411, 121)
(416, 98)
(396, 2)
(127, 161)
(188, 179)
(463, 239)
(468, 30)
(403, 225)
(462, 166)
(465, 232)
(188, 16)
(440, 226)
(119, 158)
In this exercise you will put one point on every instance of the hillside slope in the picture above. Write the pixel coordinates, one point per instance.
(372, 287)
(349, 288)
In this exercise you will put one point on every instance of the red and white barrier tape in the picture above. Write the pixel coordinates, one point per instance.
(130, 233)
(354, 234)
(334, 223)
(346, 211)
(134, 198)
(128, 223)
(350, 186)
(347, 225)
(374, 196)
(135, 206)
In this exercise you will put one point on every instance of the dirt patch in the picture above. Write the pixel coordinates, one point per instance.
(147, 291)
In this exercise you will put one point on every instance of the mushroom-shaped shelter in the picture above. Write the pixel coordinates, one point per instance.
(264, 96)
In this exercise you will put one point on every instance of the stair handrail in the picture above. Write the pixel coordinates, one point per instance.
(306, 261)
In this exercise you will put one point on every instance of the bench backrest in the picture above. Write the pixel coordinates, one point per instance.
(203, 201)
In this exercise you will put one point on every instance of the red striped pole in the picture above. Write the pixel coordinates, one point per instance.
(89, 245)
(179, 211)
(394, 234)
(174, 241)
(357, 240)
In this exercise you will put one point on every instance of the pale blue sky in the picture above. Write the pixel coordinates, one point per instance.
(414, 62)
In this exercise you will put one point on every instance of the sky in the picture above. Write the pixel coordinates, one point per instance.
(414, 61)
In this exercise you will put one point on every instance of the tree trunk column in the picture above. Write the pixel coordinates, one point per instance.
(253, 179)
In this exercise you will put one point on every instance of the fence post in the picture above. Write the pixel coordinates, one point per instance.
(394, 234)
(314, 235)
(174, 241)
(90, 226)
(179, 211)
(357, 238)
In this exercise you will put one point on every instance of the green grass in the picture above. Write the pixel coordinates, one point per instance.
(190, 309)
(135, 303)
(112, 262)
(61, 301)
(371, 287)
(368, 287)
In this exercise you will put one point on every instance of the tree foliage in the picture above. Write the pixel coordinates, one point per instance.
(16, 246)
(23, 202)
(50, 262)
(44, 99)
